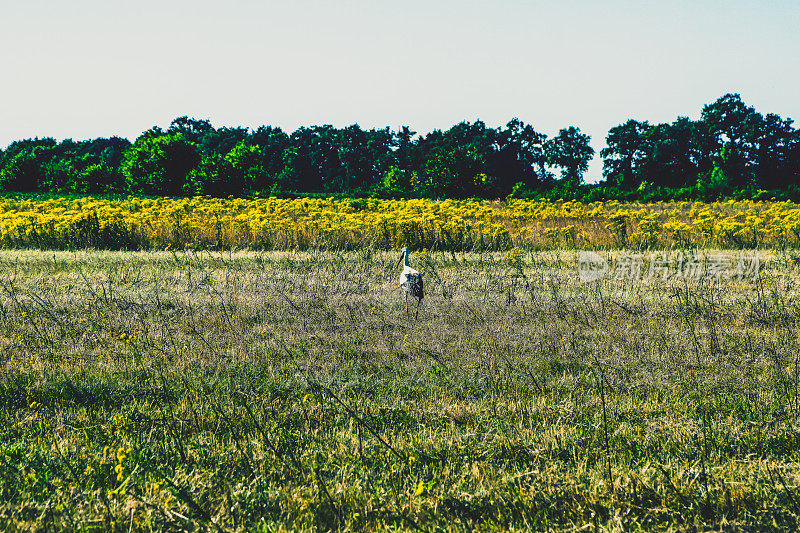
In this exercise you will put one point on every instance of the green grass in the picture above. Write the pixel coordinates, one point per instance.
(289, 391)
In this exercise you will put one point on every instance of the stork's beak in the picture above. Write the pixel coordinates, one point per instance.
(400, 260)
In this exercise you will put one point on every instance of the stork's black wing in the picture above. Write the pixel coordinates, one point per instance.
(414, 285)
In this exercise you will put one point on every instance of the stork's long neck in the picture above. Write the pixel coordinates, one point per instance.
(405, 259)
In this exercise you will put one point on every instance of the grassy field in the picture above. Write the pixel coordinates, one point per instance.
(272, 391)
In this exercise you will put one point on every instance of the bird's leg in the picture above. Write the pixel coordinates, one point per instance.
(419, 301)
(406, 295)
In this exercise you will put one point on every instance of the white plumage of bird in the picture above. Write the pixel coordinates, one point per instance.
(410, 281)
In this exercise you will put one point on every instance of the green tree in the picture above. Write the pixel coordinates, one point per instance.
(355, 157)
(193, 130)
(457, 162)
(774, 142)
(272, 142)
(675, 154)
(98, 166)
(24, 162)
(570, 150)
(406, 153)
(734, 125)
(237, 172)
(518, 158)
(454, 172)
(715, 183)
(99, 178)
(311, 161)
(396, 180)
(624, 151)
(159, 164)
(21, 172)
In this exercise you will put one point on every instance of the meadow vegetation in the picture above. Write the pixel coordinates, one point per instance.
(288, 390)
(205, 223)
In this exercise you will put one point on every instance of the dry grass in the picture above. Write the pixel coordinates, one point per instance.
(289, 391)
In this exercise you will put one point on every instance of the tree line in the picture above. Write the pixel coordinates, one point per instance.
(732, 150)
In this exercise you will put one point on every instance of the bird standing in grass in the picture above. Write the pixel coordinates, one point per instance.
(410, 282)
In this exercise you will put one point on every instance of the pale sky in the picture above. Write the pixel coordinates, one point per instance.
(91, 68)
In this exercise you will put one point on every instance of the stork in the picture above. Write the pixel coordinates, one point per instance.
(410, 282)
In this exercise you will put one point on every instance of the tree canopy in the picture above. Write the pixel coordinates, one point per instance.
(731, 149)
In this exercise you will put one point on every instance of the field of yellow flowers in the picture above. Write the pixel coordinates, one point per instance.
(273, 223)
